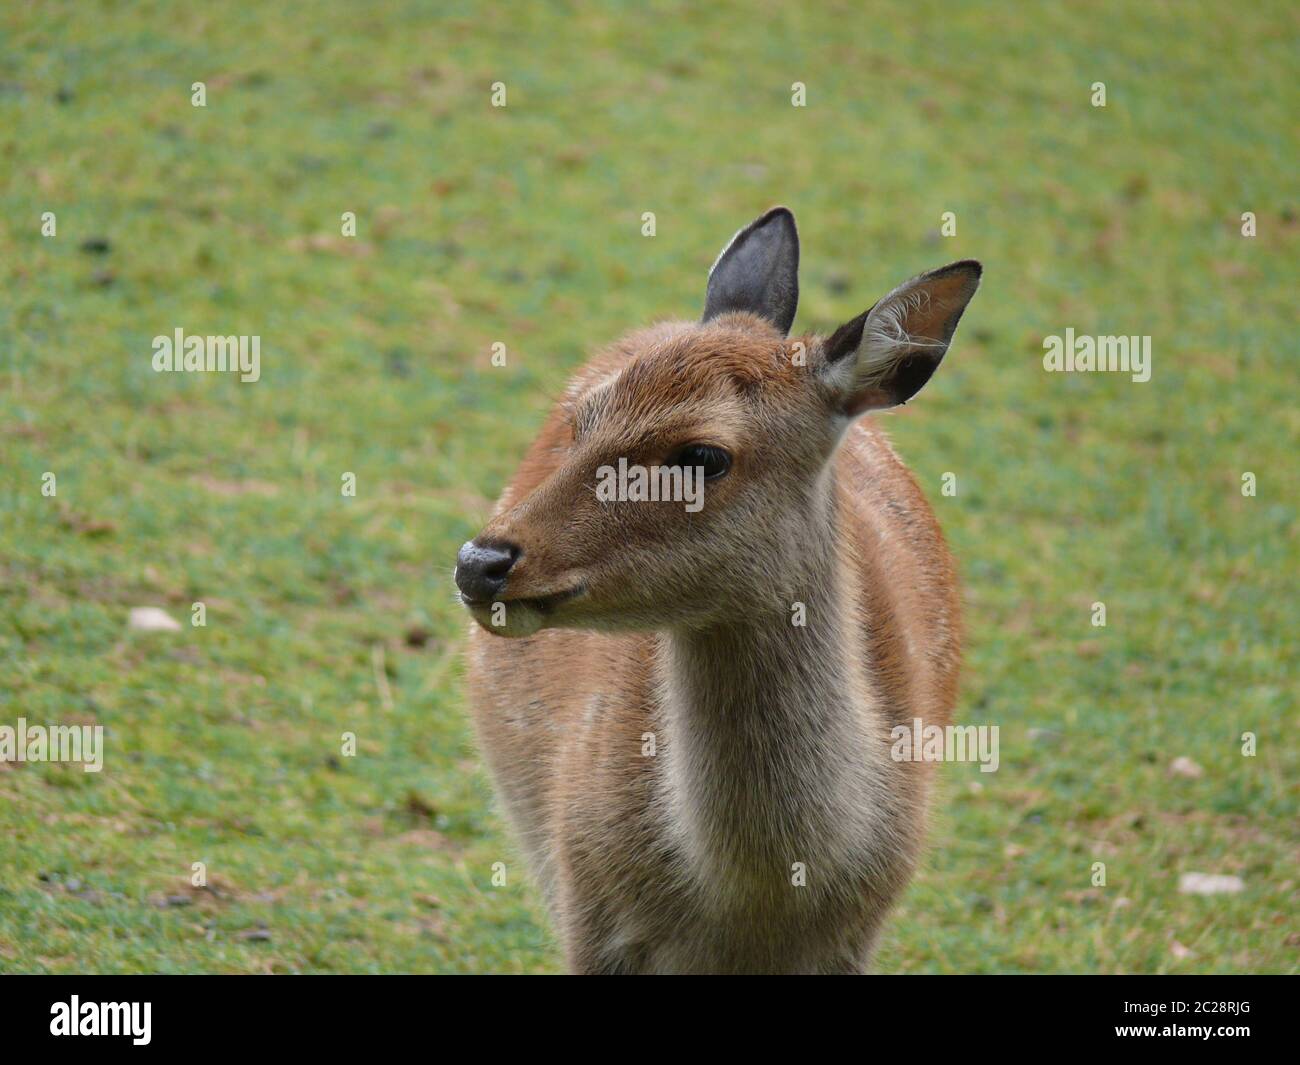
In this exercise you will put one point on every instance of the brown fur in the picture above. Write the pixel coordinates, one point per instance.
(771, 741)
(691, 730)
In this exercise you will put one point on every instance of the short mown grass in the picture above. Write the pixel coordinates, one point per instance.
(329, 614)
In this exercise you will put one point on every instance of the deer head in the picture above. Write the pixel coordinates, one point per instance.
(728, 414)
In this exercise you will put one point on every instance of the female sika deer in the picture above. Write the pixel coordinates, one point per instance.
(691, 737)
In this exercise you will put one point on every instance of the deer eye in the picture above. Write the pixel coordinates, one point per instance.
(713, 460)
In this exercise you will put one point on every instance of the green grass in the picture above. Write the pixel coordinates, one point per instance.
(523, 225)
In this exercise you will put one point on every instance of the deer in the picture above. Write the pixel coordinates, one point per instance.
(687, 715)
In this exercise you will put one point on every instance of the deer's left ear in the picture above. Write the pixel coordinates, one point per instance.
(758, 272)
(884, 356)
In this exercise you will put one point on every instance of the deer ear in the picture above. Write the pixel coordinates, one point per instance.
(884, 356)
(758, 272)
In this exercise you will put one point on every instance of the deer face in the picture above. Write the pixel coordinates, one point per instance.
(683, 476)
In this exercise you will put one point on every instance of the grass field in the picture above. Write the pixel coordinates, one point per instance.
(522, 225)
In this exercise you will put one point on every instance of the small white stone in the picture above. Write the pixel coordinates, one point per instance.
(1209, 884)
(151, 619)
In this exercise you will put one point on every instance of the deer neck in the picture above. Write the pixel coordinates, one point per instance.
(775, 753)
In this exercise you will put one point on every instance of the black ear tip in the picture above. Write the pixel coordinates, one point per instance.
(780, 215)
(971, 269)
(963, 266)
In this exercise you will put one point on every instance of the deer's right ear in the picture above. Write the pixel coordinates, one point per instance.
(758, 272)
(884, 356)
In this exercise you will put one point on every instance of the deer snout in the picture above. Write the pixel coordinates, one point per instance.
(482, 568)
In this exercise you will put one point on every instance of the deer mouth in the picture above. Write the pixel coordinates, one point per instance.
(518, 616)
(543, 604)
(546, 604)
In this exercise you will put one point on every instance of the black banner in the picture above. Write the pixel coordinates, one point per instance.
(334, 1014)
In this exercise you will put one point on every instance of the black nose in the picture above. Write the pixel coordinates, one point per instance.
(481, 569)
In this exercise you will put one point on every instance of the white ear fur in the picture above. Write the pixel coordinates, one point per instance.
(885, 339)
